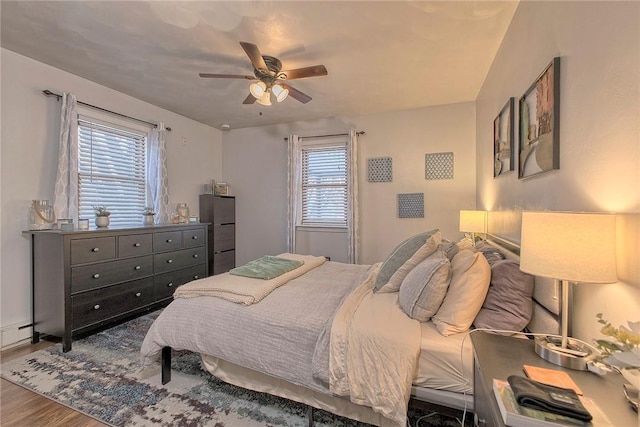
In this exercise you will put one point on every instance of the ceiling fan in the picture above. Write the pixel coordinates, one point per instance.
(271, 78)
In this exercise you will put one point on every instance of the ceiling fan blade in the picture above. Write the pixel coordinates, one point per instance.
(254, 55)
(295, 93)
(300, 73)
(226, 76)
(249, 99)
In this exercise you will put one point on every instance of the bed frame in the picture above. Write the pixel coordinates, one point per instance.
(545, 319)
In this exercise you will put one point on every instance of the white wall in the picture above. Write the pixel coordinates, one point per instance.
(29, 157)
(255, 164)
(599, 47)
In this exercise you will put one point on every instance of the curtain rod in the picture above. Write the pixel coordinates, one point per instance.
(286, 138)
(155, 125)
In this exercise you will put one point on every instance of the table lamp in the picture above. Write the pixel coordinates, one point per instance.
(568, 247)
(473, 222)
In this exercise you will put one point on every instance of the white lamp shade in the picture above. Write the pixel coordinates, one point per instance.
(257, 89)
(280, 92)
(577, 247)
(473, 221)
(265, 99)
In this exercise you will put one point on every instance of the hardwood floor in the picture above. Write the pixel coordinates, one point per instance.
(20, 407)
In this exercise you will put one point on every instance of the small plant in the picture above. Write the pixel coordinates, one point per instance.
(101, 211)
(623, 350)
(148, 211)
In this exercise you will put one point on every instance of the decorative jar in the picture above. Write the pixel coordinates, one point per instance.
(183, 213)
(41, 215)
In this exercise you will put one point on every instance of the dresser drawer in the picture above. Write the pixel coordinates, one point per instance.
(165, 284)
(171, 261)
(167, 241)
(94, 276)
(223, 262)
(90, 250)
(99, 305)
(224, 237)
(135, 245)
(193, 238)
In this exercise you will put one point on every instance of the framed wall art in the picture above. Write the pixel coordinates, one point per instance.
(539, 128)
(503, 153)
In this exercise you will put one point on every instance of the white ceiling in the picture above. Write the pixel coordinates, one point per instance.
(380, 55)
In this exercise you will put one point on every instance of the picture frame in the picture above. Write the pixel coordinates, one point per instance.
(221, 189)
(539, 124)
(503, 150)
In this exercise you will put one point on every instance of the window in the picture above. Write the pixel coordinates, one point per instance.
(111, 170)
(324, 185)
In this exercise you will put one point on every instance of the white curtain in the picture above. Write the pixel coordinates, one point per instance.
(65, 199)
(294, 182)
(157, 178)
(353, 212)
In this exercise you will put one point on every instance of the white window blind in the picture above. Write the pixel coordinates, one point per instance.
(111, 171)
(324, 185)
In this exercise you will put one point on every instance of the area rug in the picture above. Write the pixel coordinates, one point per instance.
(100, 377)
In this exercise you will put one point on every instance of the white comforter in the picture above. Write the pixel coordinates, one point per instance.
(368, 331)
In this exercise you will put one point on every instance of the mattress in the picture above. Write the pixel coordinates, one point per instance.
(445, 363)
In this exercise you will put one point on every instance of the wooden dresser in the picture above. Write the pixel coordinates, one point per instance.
(84, 280)
(220, 213)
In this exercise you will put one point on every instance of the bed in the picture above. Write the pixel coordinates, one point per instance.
(340, 337)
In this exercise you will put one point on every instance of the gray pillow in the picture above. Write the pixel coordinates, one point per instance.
(401, 254)
(508, 305)
(425, 287)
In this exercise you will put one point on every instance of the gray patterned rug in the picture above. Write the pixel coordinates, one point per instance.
(100, 378)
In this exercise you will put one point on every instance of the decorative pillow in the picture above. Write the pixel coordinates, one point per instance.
(424, 288)
(403, 254)
(469, 285)
(449, 248)
(509, 303)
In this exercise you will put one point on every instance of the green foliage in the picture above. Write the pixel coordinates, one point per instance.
(101, 211)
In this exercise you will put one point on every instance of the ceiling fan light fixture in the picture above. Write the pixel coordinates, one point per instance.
(280, 93)
(258, 89)
(265, 99)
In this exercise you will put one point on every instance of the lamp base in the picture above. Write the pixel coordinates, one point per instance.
(575, 356)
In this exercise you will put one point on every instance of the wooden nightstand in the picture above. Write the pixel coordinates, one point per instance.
(498, 357)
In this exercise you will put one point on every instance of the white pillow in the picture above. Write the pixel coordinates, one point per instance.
(468, 288)
(425, 287)
(431, 244)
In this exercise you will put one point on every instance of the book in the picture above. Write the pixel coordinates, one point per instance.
(551, 377)
(515, 415)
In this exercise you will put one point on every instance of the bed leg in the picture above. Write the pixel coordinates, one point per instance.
(310, 412)
(166, 365)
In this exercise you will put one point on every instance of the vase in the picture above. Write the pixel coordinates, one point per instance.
(102, 221)
(632, 375)
(147, 219)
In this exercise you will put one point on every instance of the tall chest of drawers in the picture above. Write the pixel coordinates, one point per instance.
(84, 280)
(220, 212)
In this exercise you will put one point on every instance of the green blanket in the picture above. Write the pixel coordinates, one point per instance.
(267, 267)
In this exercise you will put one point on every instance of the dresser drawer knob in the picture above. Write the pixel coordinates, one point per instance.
(96, 307)
(96, 276)
(137, 245)
(196, 277)
(169, 240)
(169, 261)
(195, 237)
(95, 250)
(170, 285)
(138, 267)
(195, 255)
(138, 294)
